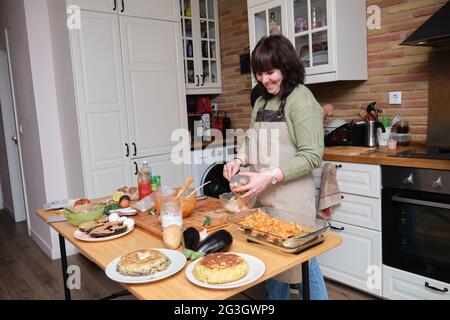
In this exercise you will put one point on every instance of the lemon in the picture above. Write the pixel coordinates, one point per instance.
(117, 195)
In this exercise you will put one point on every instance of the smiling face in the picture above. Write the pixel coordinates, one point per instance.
(271, 80)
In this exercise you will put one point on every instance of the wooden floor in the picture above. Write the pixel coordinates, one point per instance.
(26, 272)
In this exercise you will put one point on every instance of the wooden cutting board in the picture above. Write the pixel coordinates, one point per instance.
(350, 150)
(209, 207)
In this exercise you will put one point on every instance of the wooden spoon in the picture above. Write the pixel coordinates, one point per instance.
(184, 187)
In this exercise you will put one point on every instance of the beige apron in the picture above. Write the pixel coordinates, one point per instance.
(297, 196)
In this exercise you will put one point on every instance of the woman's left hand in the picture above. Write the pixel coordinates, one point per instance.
(258, 182)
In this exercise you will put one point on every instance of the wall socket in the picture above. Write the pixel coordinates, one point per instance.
(395, 97)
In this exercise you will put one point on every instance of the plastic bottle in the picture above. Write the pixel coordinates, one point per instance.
(144, 180)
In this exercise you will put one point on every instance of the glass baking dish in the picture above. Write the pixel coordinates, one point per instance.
(313, 230)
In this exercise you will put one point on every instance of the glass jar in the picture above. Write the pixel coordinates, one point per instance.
(171, 212)
(401, 127)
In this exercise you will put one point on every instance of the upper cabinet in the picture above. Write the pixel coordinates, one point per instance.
(155, 9)
(201, 48)
(329, 35)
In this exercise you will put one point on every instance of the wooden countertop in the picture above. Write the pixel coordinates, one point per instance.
(178, 287)
(381, 156)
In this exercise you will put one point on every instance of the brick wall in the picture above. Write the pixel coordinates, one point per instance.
(234, 39)
(391, 67)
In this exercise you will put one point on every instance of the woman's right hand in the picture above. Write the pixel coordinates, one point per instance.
(231, 168)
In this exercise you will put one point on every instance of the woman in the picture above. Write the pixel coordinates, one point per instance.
(284, 145)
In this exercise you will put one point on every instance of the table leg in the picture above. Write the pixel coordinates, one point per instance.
(62, 250)
(305, 280)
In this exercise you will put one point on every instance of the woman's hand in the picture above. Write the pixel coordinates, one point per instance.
(258, 182)
(231, 168)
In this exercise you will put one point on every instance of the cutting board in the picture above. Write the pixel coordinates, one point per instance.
(209, 207)
(349, 150)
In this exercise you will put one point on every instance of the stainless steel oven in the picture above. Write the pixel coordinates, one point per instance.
(416, 222)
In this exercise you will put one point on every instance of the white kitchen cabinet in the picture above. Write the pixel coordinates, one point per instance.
(154, 84)
(130, 94)
(201, 46)
(171, 174)
(357, 261)
(359, 211)
(154, 9)
(402, 285)
(355, 178)
(359, 216)
(101, 107)
(109, 6)
(332, 32)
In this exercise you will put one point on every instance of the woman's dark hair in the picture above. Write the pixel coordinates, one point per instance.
(277, 52)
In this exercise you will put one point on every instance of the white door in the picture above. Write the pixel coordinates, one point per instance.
(357, 261)
(11, 139)
(96, 5)
(101, 106)
(172, 175)
(155, 9)
(154, 84)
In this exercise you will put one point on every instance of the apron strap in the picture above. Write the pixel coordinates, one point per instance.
(264, 115)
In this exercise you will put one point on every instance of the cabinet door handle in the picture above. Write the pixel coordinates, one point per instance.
(203, 79)
(135, 149)
(434, 288)
(115, 5)
(123, 6)
(128, 149)
(339, 166)
(136, 171)
(336, 228)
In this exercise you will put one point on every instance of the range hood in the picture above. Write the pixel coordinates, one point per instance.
(433, 32)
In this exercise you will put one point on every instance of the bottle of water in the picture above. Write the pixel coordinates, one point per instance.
(145, 180)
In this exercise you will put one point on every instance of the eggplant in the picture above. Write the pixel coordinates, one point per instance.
(191, 238)
(220, 240)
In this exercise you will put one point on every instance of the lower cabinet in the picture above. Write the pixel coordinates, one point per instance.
(357, 261)
(172, 174)
(402, 285)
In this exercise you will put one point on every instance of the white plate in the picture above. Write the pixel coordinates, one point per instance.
(177, 262)
(256, 269)
(80, 235)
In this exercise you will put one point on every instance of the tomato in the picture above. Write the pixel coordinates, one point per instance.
(81, 201)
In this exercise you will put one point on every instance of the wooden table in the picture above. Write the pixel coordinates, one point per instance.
(178, 287)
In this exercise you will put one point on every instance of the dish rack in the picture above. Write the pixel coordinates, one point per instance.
(313, 230)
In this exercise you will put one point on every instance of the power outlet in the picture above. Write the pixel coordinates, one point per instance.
(395, 97)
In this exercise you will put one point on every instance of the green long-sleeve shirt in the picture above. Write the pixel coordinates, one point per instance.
(304, 118)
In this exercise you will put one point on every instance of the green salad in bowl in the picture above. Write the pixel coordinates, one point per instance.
(85, 212)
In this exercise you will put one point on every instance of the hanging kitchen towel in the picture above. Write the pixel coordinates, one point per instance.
(330, 196)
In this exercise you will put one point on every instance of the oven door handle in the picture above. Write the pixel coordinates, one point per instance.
(434, 288)
(421, 202)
